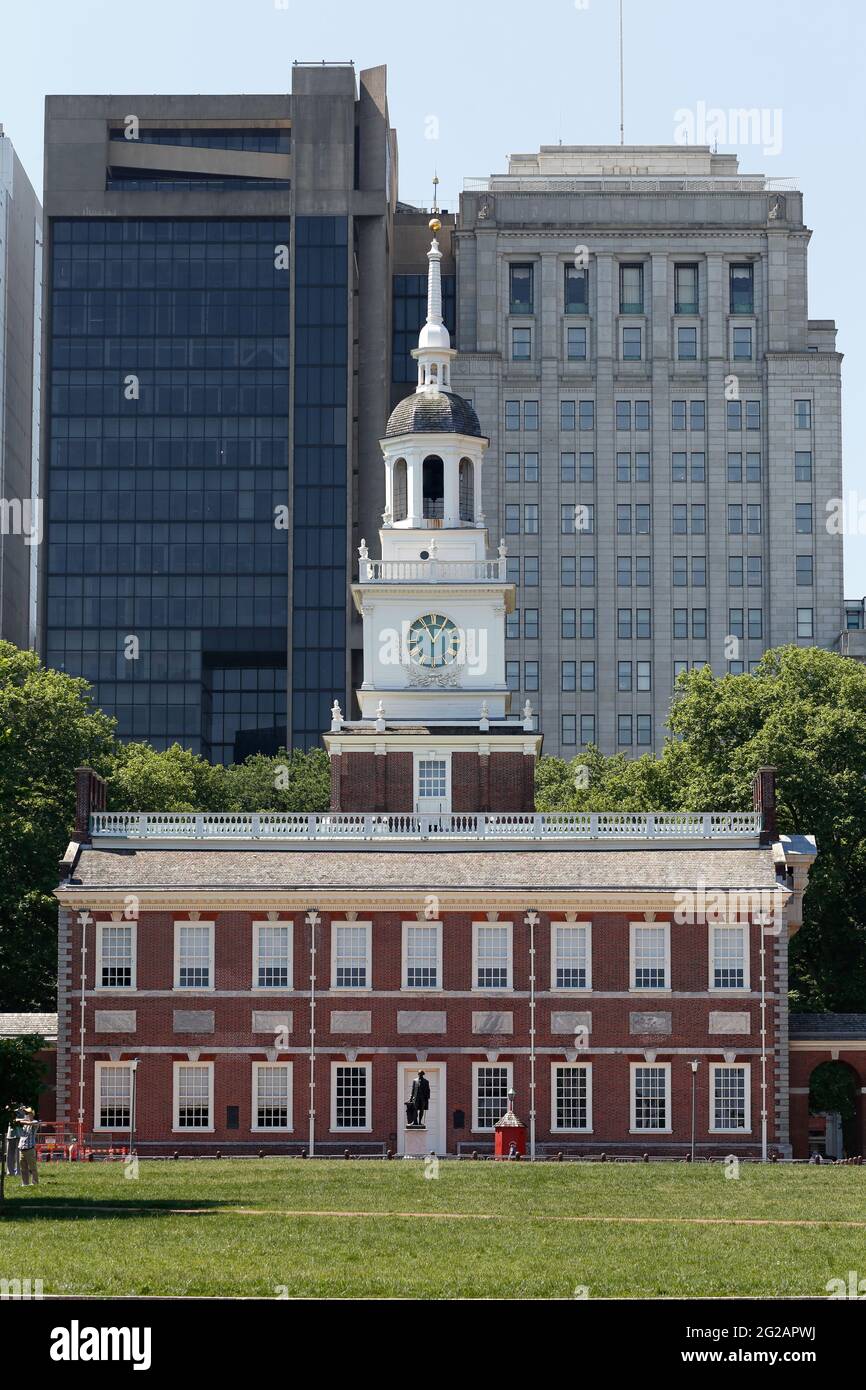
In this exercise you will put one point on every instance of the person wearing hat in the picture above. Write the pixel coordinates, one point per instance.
(12, 1135)
(27, 1148)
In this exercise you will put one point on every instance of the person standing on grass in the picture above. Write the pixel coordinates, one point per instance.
(13, 1132)
(27, 1148)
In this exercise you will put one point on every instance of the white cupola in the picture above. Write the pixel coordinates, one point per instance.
(433, 446)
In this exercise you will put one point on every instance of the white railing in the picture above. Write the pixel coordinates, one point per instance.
(407, 825)
(431, 571)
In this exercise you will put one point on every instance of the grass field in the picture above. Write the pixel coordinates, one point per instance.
(375, 1229)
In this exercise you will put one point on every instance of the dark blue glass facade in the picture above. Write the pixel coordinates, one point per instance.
(409, 311)
(320, 477)
(167, 582)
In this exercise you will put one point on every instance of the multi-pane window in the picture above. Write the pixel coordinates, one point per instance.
(521, 344)
(699, 571)
(753, 468)
(730, 1109)
(642, 571)
(742, 343)
(568, 676)
(567, 571)
(530, 676)
(631, 344)
(643, 675)
(194, 955)
(742, 289)
(754, 571)
(350, 1095)
(492, 955)
(193, 1083)
(570, 955)
(520, 289)
(512, 468)
(624, 730)
(350, 947)
(678, 415)
(587, 467)
(575, 343)
(623, 468)
(735, 468)
(681, 622)
(567, 471)
(805, 623)
(753, 518)
(512, 625)
(623, 571)
(114, 1095)
(735, 415)
(697, 415)
(432, 777)
(512, 519)
(803, 466)
(568, 622)
(422, 950)
(587, 571)
(680, 571)
(699, 518)
(803, 518)
(576, 290)
(490, 1094)
(642, 415)
(735, 571)
(679, 467)
(735, 518)
(685, 289)
(756, 624)
(623, 415)
(631, 289)
(512, 415)
(512, 675)
(587, 729)
(623, 675)
(530, 518)
(530, 571)
(642, 518)
(587, 623)
(587, 676)
(530, 415)
(568, 733)
(687, 344)
(802, 415)
(644, 730)
(680, 519)
(650, 1097)
(729, 958)
(650, 950)
(530, 624)
(623, 623)
(699, 624)
(572, 1097)
(586, 415)
(116, 955)
(753, 415)
(272, 1095)
(273, 955)
(642, 466)
(735, 622)
(623, 519)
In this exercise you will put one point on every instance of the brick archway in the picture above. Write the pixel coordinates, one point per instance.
(817, 1038)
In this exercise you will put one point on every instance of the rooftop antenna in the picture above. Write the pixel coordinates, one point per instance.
(435, 207)
(621, 83)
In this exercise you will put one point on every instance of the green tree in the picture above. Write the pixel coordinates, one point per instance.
(804, 713)
(48, 727)
(143, 779)
(288, 782)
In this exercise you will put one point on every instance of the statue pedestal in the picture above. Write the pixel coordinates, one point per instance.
(416, 1142)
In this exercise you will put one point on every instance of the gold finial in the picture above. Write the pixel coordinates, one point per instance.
(434, 223)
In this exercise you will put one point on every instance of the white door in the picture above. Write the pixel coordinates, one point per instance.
(432, 785)
(433, 1136)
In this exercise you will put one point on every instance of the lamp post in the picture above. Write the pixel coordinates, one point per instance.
(694, 1066)
(133, 1067)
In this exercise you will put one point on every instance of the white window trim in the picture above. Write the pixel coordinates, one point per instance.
(273, 989)
(509, 1068)
(743, 929)
(570, 1066)
(271, 1129)
(562, 989)
(352, 1129)
(352, 989)
(663, 1066)
(117, 989)
(195, 989)
(99, 1068)
(404, 966)
(438, 755)
(632, 961)
(731, 1066)
(191, 1129)
(502, 989)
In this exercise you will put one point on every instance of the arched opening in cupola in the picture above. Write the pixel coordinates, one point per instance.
(467, 490)
(400, 500)
(433, 488)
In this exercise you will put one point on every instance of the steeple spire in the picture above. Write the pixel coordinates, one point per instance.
(434, 352)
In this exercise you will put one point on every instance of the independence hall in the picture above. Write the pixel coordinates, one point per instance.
(275, 982)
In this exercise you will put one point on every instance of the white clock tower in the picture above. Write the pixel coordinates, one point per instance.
(434, 605)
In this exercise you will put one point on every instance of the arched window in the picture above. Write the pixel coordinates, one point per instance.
(433, 487)
(400, 500)
(467, 490)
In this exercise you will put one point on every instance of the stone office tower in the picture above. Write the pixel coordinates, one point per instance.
(634, 335)
(218, 290)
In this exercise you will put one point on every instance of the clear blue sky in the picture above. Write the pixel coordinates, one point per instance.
(503, 76)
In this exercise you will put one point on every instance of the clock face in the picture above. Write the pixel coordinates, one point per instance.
(434, 641)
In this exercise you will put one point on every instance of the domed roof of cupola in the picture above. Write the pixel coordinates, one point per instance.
(433, 412)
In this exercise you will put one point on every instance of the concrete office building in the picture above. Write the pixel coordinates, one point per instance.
(634, 335)
(217, 346)
(20, 346)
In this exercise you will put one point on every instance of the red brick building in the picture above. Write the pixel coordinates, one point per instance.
(276, 981)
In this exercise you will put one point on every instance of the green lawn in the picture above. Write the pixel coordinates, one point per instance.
(378, 1229)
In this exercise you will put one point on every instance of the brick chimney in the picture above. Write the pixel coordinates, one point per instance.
(764, 800)
(89, 796)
